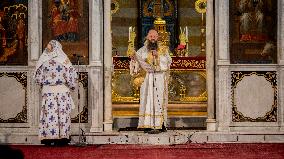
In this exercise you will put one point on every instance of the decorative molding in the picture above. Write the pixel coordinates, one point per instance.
(114, 6)
(200, 6)
(83, 78)
(21, 77)
(189, 63)
(181, 63)
(270, 76)
(121, 62)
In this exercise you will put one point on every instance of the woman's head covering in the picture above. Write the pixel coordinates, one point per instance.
(56, 54)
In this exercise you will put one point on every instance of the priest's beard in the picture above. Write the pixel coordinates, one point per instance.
(152, 45)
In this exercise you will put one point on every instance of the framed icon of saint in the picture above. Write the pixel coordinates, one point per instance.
(14, 32)
(68, 22)
(253, 31)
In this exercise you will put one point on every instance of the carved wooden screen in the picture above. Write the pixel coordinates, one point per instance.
(253, 31)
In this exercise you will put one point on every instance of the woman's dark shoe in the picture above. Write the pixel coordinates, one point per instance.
(62, 142)
(164, 129)
(47, 142)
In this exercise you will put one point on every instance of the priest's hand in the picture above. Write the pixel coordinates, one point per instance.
(132, 57)
(154, 53)
(150, 69)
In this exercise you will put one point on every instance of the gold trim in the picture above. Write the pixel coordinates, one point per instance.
(170, 113)
(201, 98)
(188, 64)
(150, 115)
(162, 120)
(116, 98)
(148, 126)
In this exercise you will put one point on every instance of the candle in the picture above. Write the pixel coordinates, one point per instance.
(186, 32)
(129, 33)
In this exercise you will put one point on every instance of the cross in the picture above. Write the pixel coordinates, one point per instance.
(44, 95)
(50, 105)
(58, 81)
(62, 124)
(45, 69)
(57, 111)
(63, 112)
(71, 70)
(45, 112)
(46, 82)
(42, 121)
(67, 106)
(58, 68)
(64, 75)
(43, 133)
(52, 131)
(63, 98)
(53, 75)
(51, 118)
(52, 62)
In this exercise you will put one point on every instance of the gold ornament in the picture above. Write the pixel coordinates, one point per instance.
(131, 41)
(114, 6)
(200, 6)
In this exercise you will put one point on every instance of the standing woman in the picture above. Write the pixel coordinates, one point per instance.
(55, 73)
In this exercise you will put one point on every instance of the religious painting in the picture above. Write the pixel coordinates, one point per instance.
(67, 21)
(253, 31)
(13, 32)
(149, 10)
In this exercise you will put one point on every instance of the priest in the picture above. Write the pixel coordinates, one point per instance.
(153, 61)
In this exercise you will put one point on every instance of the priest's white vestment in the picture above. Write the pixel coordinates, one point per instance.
(154, 89)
